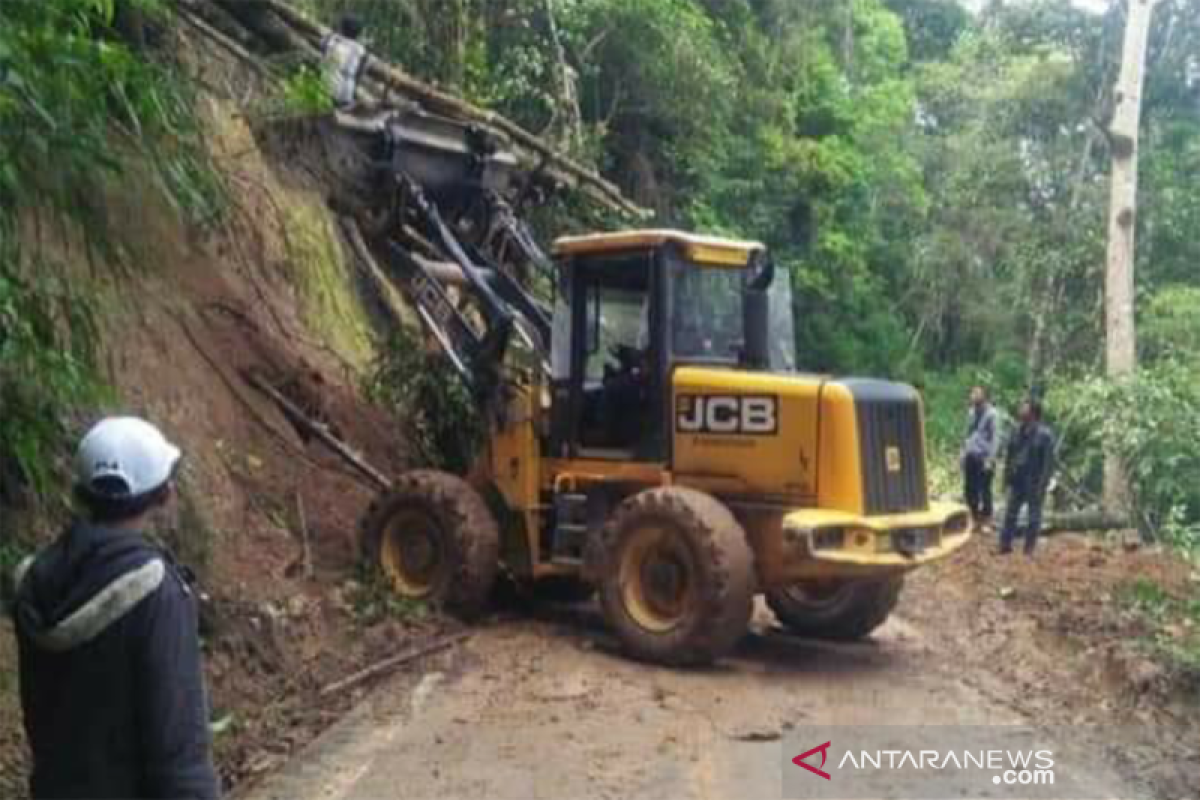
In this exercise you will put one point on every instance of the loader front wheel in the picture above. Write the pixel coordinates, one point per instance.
(836, 610)
(676, 576)
(435, 541)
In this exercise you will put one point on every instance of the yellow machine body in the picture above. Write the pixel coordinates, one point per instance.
(796, 486)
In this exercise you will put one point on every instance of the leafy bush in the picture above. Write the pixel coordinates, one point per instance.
(1168, 326)
(1151, 418)
(440, 418)
(304, 93)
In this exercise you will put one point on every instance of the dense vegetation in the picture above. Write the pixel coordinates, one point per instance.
(933, 178)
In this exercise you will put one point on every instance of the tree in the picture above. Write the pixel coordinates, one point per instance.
(1120, 336)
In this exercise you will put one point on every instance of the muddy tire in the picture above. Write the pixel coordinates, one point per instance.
(435, 541)
(847, 610)
(676, 576)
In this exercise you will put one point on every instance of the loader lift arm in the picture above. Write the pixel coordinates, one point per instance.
(476, 344)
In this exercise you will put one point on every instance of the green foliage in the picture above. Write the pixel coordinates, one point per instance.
(74, 99)
(77, 105)
(785, 122)
(372, 600)
(1150, 419)
(1169, 326)
(47, 354)
(1148, 597)
(439, 417)
(305, 94)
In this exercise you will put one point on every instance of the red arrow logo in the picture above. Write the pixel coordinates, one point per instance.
(799, 760)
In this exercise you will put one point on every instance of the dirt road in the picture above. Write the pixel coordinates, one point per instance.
(534, 708)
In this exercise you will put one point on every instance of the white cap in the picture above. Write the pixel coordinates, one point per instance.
(126, 448)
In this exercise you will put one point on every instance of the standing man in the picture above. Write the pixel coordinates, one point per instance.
(979, 455)
(111, 684)
(1028, 466)
(343, 58)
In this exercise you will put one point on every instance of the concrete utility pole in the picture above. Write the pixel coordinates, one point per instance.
(1120, 337)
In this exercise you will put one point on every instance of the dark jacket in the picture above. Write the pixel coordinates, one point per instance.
(1029, 460)
(111, 683)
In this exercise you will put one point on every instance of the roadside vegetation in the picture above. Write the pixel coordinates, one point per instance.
(1174, 625)
(83, 101)
(439, 417)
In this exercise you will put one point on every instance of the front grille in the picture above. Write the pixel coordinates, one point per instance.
(891, 448)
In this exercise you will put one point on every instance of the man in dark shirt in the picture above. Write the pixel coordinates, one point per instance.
(1028, 465)
(111, 682)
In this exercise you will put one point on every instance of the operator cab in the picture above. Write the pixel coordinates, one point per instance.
(632, 306)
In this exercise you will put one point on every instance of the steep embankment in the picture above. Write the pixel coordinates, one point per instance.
(266, 515)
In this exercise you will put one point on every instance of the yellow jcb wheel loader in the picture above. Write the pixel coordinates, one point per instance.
(651, 439)
(670, 457)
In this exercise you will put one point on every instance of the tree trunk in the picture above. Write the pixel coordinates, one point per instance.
(566, 128)
(1120, 350)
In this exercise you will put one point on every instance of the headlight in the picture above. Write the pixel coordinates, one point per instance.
(829, 539)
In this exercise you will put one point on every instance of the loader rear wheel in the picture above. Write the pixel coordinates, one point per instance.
(836, 610)
(435, 541)
(676, 576)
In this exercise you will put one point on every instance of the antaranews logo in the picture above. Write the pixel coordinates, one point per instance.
(928, 763)
(823, 749)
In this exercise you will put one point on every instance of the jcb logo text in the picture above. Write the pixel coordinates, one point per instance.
(716, 413)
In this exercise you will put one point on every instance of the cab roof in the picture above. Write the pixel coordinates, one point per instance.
(703, 249)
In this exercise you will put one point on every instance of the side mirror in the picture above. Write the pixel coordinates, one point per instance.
(756, 314)
(761, 274)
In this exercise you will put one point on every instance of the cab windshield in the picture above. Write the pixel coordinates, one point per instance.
(706, 319)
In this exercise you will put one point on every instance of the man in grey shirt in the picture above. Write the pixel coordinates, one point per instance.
(343, 58)
(979, 456)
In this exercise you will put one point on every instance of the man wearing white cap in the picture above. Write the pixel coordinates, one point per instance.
(111, 682)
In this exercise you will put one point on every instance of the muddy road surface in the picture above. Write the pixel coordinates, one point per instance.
(545, 707)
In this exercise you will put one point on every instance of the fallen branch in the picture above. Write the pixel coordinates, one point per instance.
(305, 542)
(394, 662)
(319, 430)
